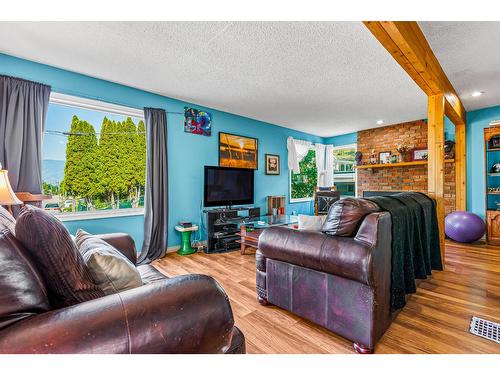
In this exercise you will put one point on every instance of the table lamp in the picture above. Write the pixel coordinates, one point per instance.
(7, 195)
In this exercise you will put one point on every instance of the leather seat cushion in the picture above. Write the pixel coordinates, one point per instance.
(56, 257)
(346, 215)
(149, 274)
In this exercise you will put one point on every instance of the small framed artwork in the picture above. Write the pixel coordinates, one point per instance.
(272, 164)
(197, 122)
(420, 154)
(384, 157)
(237, 151)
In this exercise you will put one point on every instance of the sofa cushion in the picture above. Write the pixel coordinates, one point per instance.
(314, 223)
(346, 215)
(7, 221)
(149, 274)
(111, 270)
(23, 292)
(55, 255)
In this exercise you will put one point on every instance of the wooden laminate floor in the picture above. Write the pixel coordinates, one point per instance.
(435, 320)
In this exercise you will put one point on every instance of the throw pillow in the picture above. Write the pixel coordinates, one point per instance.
(7, 221)
(314, 223)
(111, 270)
(49, 244)
(345, 216)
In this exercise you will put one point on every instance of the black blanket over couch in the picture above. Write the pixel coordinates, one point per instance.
(415, 241)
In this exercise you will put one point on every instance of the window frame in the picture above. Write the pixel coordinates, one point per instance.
(345, 175)
(298, 200)
(105, 107)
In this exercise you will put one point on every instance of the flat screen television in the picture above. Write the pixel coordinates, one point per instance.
(225, 186)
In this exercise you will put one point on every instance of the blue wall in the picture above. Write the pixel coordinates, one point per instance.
(133, 225)
(476, 122)
(344, 139)
(188, 153)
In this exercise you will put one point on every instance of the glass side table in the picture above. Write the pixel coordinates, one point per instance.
(186, 248)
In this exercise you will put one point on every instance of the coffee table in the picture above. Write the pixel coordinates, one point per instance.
(252, 228)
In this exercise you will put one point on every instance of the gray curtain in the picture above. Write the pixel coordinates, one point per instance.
(23, 110)
(156, 197)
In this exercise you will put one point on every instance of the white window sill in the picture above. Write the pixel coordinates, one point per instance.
(299, 200)
(104, 214)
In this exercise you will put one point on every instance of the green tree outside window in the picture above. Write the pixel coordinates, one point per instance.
(304, 183)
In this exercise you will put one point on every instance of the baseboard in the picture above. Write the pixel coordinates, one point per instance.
(172, 249)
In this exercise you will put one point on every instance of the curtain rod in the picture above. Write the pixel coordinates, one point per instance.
(84, 96)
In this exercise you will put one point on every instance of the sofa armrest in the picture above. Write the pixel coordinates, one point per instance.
(122, 242)
(340, 256)
(185, 314)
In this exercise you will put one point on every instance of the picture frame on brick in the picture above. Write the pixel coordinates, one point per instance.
(384, 157)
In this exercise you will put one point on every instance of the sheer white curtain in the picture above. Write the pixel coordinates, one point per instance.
(297, 150)
(329, 165)
(320, 164)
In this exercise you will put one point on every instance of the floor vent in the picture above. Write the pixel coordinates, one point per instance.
(485, 329)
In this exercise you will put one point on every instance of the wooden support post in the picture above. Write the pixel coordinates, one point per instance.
(435, 166)
(460, 167)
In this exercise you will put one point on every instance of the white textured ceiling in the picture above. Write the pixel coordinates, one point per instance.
(323, 78)
(469, 53)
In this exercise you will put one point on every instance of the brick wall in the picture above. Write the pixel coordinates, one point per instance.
(412, 178)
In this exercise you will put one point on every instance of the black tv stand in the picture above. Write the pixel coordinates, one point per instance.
(222, 235)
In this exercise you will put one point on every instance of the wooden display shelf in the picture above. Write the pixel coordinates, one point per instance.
(403, 164)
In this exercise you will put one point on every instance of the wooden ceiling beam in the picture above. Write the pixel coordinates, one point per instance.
(408, 46)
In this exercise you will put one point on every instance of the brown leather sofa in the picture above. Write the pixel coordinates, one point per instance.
(340, 283)
(185, 314)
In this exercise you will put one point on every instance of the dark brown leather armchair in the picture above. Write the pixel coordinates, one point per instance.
(340, 283)
(185, 314)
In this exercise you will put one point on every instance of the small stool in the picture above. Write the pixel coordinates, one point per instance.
(186, 248)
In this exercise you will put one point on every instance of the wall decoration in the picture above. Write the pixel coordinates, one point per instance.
(420, 154)
(197, 122)
(272, 164)
(404, 152)
(384, 157)
(449, 149)
(237, 151)
(358, 156)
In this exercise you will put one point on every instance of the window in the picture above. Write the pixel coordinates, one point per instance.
(94, 158)
(343, 171)
(302, 184)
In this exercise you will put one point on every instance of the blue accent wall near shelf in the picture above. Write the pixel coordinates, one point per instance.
(476, 122)
(187, 153)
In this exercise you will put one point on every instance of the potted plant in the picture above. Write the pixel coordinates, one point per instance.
(404, 152)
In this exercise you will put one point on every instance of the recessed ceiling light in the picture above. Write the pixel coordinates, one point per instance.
(477, 93)
(380, 122)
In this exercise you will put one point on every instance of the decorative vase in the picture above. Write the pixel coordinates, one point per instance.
(404, 157)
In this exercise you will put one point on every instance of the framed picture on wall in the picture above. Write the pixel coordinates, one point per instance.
(272, 164)
(384, 157)
(238, 151)
(197, 122)
(420, 154)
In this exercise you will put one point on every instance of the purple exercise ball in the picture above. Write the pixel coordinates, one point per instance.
(463, 226)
